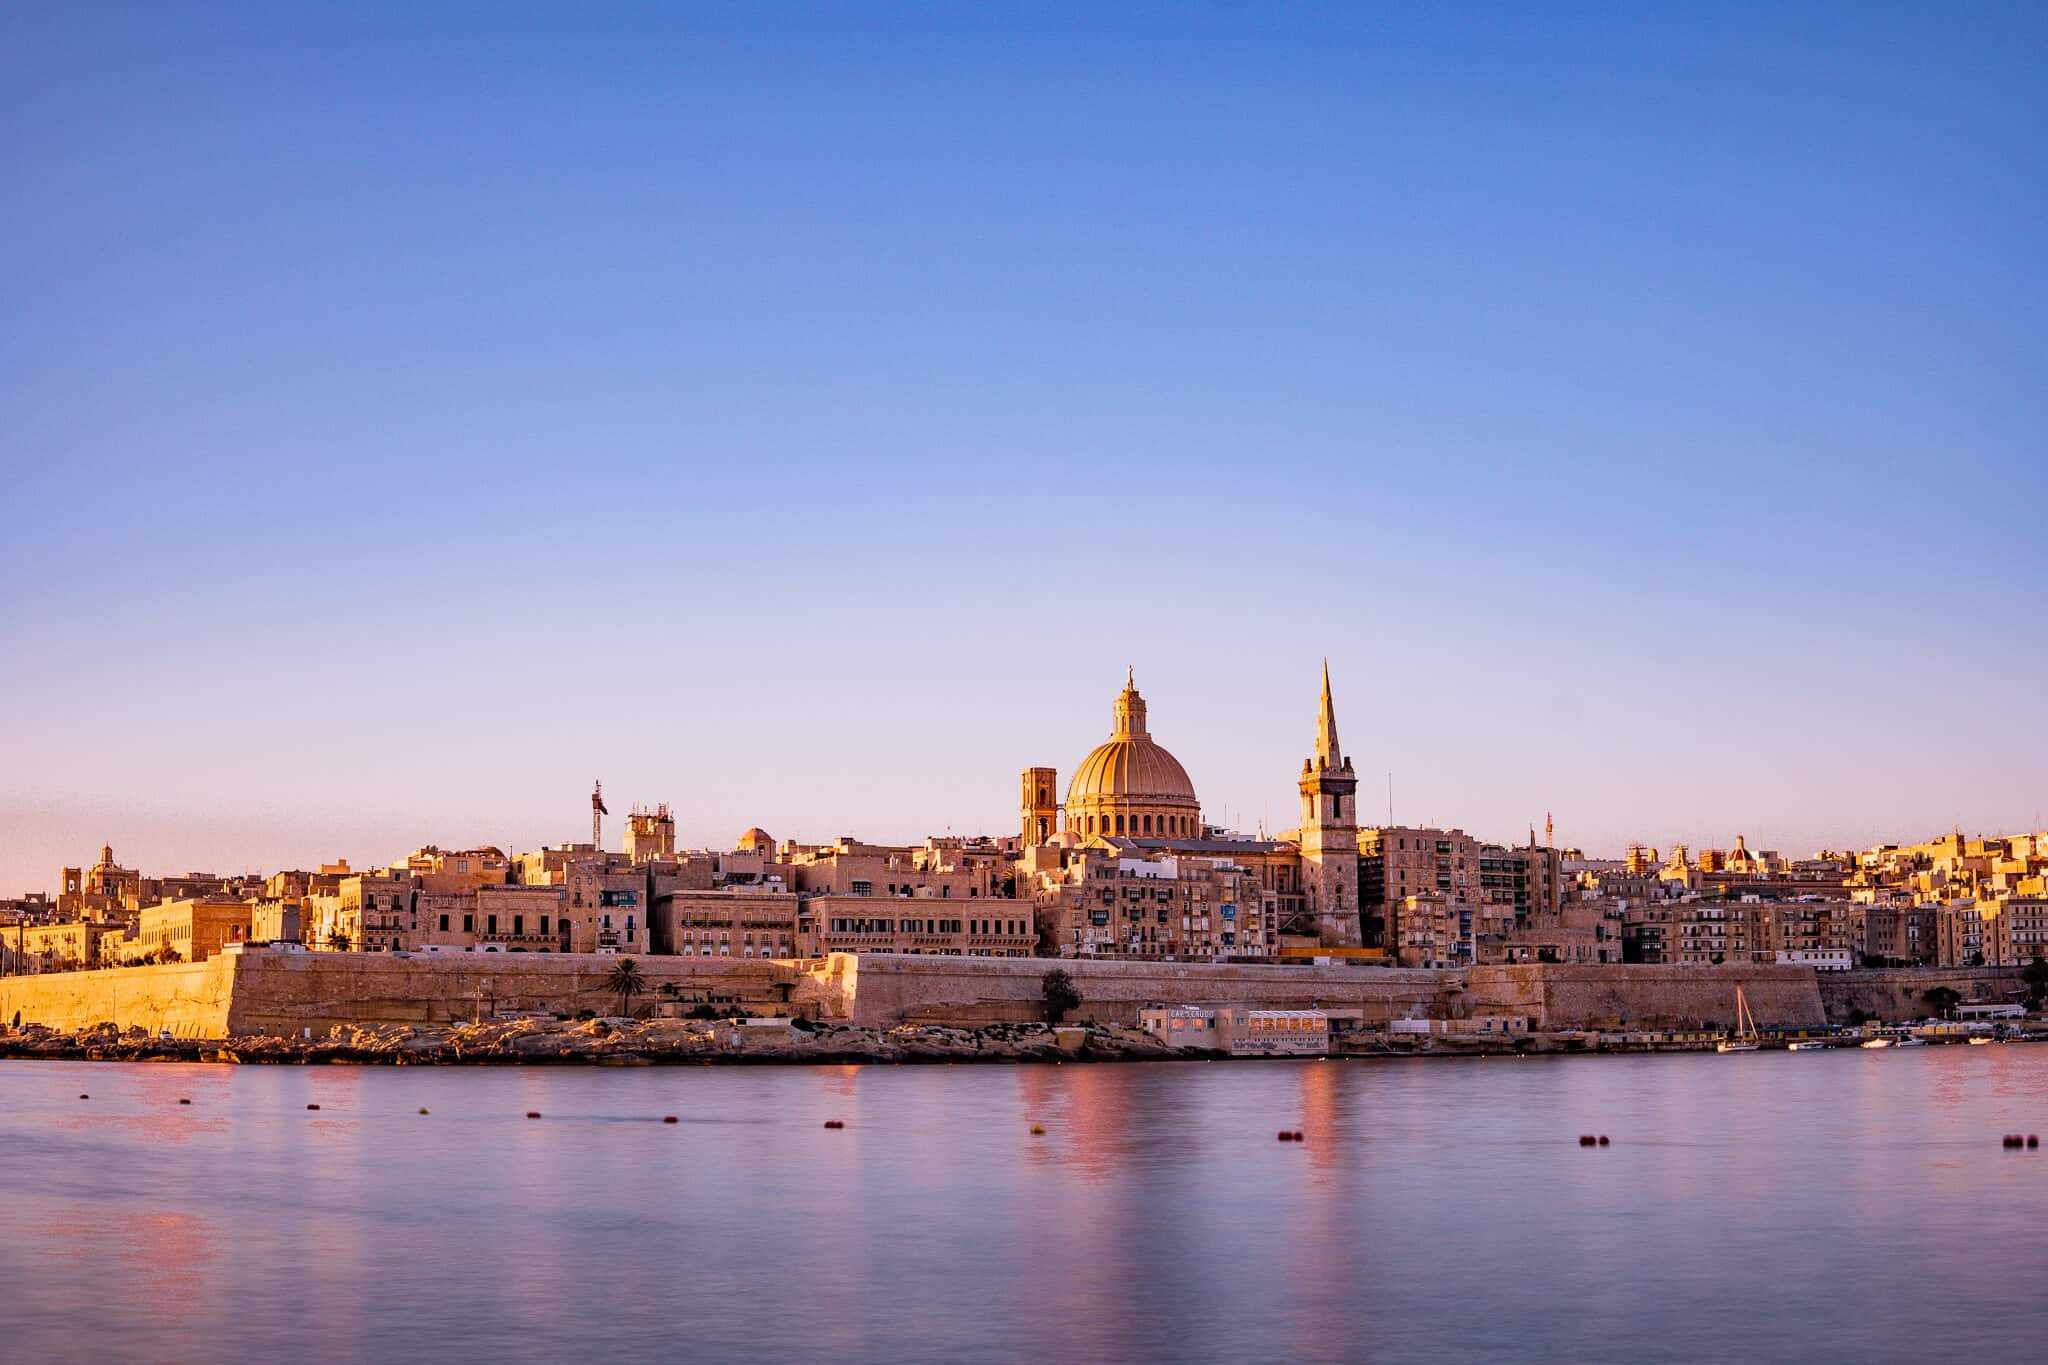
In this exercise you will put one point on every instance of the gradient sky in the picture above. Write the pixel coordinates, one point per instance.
(803, 414)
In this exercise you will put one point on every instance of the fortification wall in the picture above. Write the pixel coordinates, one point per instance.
(1556, 995)
(282, 993)
(1896, 995)
(191, 999)
(883, 989)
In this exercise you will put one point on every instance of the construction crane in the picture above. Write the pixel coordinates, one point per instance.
(598, 811)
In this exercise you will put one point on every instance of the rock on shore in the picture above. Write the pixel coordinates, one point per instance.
(609, 1042)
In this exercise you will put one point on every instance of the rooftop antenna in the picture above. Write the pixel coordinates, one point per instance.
(1390, 800)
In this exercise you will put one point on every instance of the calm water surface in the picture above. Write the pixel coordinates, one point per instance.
(1835, 1206)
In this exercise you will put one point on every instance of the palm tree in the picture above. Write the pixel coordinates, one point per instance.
(624, 980)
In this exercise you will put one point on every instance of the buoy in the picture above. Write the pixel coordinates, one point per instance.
(2033, 1139)
(184, 1101)
(532, 1114)
(2013, 1140)
(668, 1118)
(312, 1106)
(1284, 1136)
(834, 1123)
(1587, 1140)
(1298, 1137)
(1037, 1131)
(423, 1111)
(85, 1097)
(1603, 1139)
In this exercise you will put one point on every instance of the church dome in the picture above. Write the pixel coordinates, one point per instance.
(1130, 785)
(756, 840)
(1131, 770)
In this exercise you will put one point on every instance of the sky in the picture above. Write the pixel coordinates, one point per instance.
(804, 414)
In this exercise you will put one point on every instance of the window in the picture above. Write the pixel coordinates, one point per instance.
(519, 925)
(543, 926)
(444, 924)
(863, 888)
(469, 924)
(490, 924)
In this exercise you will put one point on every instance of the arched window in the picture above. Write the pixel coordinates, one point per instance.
(1119, 824)
(1148, 824)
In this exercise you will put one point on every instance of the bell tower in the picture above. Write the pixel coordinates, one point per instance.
(1329, 833)
(1038, 802)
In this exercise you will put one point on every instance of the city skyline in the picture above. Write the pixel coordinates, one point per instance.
(804, 418)
(154, 841)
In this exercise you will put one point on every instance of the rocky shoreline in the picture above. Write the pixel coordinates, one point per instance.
(607, 1042)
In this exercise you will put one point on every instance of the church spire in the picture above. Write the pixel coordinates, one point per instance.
(1130, 710)
(1328, 753)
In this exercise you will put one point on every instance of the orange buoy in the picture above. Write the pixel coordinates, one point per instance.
(1037, 1131)
(423, 1111)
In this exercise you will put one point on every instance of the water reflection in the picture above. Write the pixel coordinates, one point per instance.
(1433, 1210)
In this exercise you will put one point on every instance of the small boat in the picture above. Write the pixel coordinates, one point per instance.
(1745, 1039)
(1910, 1041)
(1809, 1045)
(1981, 1041)
(1875, 1042)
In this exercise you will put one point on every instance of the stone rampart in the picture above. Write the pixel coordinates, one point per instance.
(255, 991)
(880, 989)
(191, 999)
(1900, 994)
(1557, 995)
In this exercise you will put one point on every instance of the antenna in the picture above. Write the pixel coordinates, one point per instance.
(1390, 799)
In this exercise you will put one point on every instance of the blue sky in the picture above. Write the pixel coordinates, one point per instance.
(803, 414)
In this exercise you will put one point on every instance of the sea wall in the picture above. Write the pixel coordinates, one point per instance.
(285, 993)
(880, 989)
(191, 999)
(1555, 995)
(255, 991)
(1899, 994)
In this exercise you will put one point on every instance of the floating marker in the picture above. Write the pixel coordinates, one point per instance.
(85, 1097)
(533, 1113)
(1298, 1136)
(834, 1123)
(2013, 1140)
(423, 1111)
(312, 1106)
(1588, 1140)
(1037, 1131)
(1603, 1139)
(2033, 1140)
(668, 1118)
(184, 1101)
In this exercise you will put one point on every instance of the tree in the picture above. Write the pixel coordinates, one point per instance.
(1942, 999)
(2035, 974)
(1060, 994)
(338, 940)
(624, 980)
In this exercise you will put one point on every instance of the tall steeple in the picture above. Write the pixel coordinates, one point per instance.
(1328, 752)
(1329, 833)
